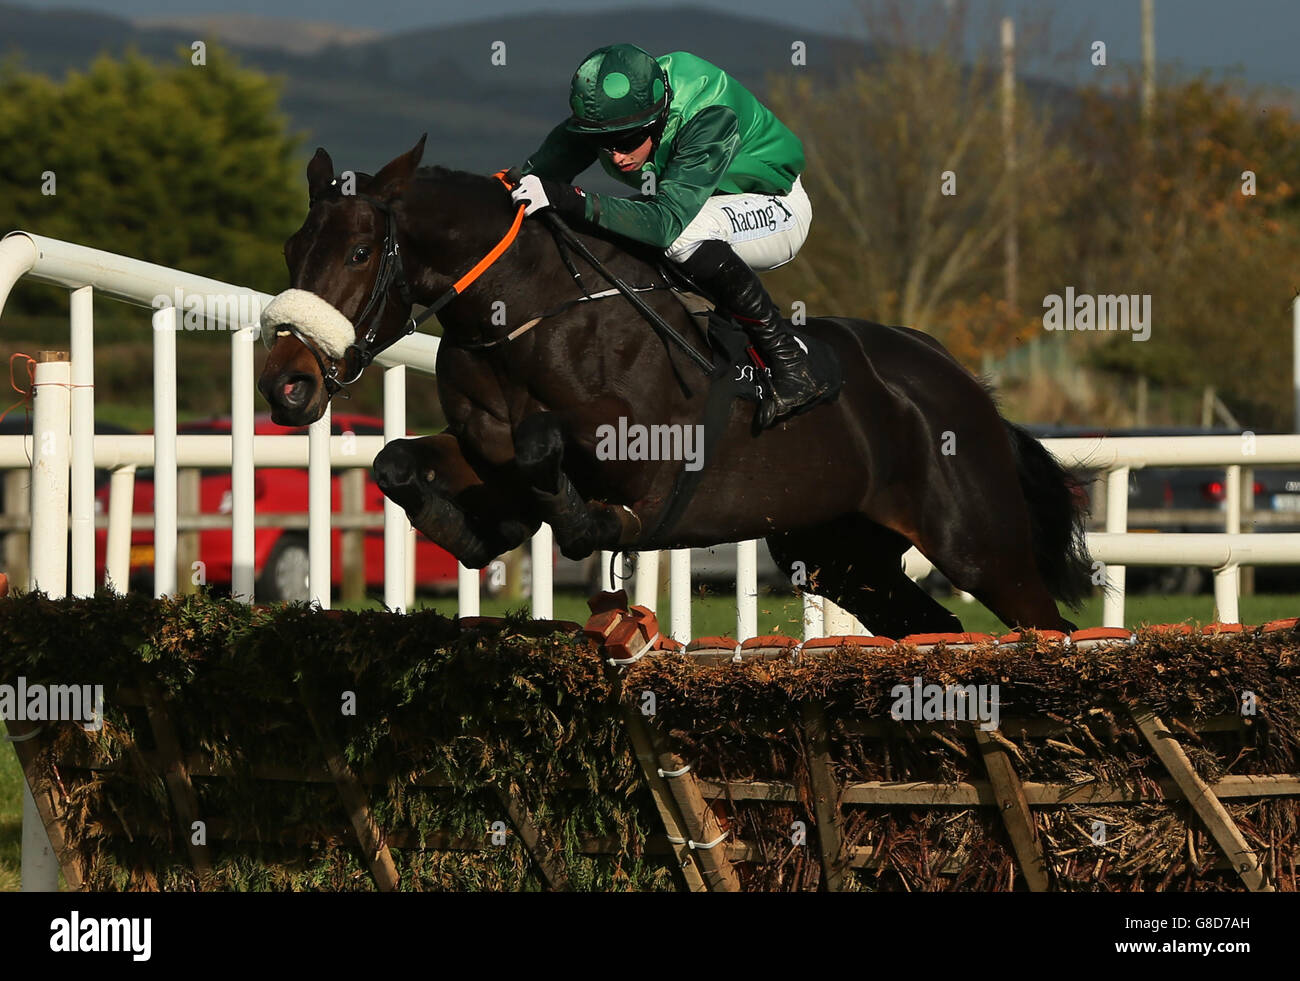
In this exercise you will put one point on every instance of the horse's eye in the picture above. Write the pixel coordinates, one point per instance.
(360, 254)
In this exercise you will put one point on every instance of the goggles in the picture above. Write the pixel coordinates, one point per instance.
(626, 142)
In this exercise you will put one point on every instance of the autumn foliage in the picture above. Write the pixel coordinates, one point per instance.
(1197, 208)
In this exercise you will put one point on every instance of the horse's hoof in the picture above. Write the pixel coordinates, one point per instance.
(400, 476)
(442, 523)
(577, 550)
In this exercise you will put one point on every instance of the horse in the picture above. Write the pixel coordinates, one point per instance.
(912, 451)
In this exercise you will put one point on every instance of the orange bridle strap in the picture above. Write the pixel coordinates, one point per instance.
(482, 265)
(506, 241)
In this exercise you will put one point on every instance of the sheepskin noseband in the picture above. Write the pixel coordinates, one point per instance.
(313, 318)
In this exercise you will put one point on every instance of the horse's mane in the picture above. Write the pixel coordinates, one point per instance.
(435, 173)
(483, 189)
(448, 177)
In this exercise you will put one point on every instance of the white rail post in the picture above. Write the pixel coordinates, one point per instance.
(746, 590)
(396, 524)
(164, 451)
(679, 590)
(243, 536)
(1247, 584)
(121, 505)
(467, 591)
(543, 565)
(83, 442)
(607, 582)
(839, 622)
(51, 456)
(1227, 579)
(1116, 523)
(1232, 500)
(814, 619)
(320, 510)
(646, 590)
(1226, 604)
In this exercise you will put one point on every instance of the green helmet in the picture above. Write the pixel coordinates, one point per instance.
(616, 87)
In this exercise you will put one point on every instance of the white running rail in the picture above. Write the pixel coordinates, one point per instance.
(64, 444)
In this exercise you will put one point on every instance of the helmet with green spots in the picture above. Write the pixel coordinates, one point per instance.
(617, 87)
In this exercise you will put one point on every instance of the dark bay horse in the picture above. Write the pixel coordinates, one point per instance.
(913, 450)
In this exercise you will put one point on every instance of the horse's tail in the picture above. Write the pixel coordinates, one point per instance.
(1058, 511)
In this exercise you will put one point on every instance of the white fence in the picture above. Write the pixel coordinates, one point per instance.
(1224, 553)
(64, 444)
(65, 405)
(84, 271)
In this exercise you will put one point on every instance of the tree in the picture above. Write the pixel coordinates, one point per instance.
(1206, 220)
(906, 165)
(185, 165)
(189, 166)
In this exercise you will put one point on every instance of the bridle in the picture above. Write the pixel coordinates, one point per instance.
(391, 274)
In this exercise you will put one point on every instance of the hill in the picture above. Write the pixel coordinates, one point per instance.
(366, 98)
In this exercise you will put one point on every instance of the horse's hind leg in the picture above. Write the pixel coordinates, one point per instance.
(993, 560)
(857, 564)
(1018, 602)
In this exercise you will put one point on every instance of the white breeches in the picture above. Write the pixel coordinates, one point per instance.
(765, 230)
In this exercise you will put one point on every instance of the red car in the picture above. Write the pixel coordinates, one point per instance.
(280, 554)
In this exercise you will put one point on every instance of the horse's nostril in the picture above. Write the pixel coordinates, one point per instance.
(295, 392)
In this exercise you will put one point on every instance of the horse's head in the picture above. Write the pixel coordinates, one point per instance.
(348, 297)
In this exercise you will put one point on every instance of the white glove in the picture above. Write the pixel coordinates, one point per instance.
(530, 192)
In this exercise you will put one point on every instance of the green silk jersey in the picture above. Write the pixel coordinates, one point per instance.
(718, 139)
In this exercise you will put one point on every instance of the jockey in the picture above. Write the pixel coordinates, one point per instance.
(719, 181)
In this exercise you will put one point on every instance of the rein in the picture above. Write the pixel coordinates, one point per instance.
(566, 237)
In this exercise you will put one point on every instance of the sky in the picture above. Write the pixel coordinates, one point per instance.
(1256, 38)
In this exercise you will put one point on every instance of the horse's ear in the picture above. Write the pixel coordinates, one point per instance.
(320, 171)
(390, 181)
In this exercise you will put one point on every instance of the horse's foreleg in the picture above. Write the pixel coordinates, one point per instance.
(448, 502)
(580, 526)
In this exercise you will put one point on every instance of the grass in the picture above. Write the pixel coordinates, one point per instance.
(715, 614)
(11, 819)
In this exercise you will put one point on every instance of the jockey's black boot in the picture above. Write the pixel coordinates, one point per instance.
(736, 289)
